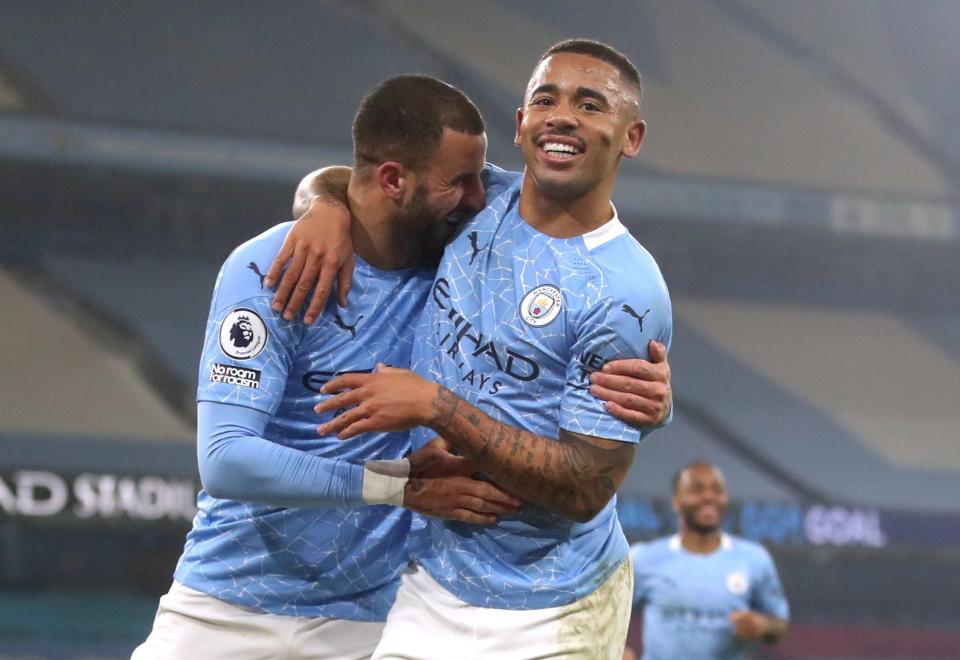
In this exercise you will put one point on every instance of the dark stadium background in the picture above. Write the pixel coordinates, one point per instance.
(799, 188)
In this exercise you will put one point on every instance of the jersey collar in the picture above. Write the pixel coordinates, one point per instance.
(605, 232)
(725, 542)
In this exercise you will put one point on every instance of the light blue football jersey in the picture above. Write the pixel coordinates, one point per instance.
(339, 562)
(687, 598)
(269, 554)
(515, 323)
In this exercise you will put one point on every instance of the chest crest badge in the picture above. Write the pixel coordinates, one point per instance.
(541, 305)
(737, 583)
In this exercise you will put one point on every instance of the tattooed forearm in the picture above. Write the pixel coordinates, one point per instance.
(574, 476)
(445, 405)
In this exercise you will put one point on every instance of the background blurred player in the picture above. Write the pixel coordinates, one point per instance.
(532, 296)
(705, 593)
(284, 559)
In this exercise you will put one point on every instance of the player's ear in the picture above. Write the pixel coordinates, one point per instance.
(394, 180)
(516, 138)
(636, 130)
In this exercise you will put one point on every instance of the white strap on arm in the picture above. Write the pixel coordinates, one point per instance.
(384, 481)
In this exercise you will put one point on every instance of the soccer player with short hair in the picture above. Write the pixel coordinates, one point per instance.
(533, 296)
(705, 594)
(298, 543)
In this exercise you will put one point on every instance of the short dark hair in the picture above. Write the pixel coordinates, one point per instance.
(403, 118)
(602, 52)
(675, 482)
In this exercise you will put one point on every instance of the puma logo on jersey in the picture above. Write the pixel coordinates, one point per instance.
(340, 323)
(256, 269)
(473, 245)
(629, 310)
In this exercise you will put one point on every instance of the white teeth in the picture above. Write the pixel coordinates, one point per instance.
(562, 148)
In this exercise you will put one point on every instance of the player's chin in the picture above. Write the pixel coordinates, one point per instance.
(561, 183)
(708, 523)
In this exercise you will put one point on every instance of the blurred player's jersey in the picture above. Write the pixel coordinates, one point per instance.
(333, 562)
(515, 323)
(688, 598)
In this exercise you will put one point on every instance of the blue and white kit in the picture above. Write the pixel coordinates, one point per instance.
(688, 597)
(514, 324)
(288, 532)
(281, 525)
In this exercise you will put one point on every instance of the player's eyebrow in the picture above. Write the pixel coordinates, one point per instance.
(581, 93)
(589, 92)
(547, 88)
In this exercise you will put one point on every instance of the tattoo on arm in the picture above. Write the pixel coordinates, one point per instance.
(446, 404)
(574, 476)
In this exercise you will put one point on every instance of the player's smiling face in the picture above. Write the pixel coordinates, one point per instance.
(701, 498)
(451, 183)
(446, 191)
(578, 119)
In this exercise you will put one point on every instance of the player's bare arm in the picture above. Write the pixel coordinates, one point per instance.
(574, 477)
(318, 249)
(756, 626)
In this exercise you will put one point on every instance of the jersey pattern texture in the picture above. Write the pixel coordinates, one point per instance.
(688, 598)
(341, 562)
(515, 323)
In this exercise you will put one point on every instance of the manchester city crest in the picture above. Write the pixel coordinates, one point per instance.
(738, 583)
(541, 305)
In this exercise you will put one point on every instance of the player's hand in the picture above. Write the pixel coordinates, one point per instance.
(440, 485)
(317, 250)
(459, 498)
(748, 625)
(387, 400)
(636, 391)
(436, 459)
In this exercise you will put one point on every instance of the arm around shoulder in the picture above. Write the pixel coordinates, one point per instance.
(318, 250)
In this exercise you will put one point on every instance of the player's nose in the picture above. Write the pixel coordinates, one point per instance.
(472, 194)
(561, 117)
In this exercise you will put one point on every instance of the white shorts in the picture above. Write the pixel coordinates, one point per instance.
(191, 625)
(427, 622)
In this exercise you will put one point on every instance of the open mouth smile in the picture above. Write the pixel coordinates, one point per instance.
(560, 149)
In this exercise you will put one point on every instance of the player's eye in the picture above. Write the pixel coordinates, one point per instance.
(590, 106)
(543, 101)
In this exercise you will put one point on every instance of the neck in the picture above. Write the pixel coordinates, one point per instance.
(700, 542)
(565, 217)
(373, 233)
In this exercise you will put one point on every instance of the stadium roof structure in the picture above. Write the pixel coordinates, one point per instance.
(821, 95)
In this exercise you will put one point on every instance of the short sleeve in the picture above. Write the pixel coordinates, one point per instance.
(607, 331)
(767, 596)
(248, 348)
